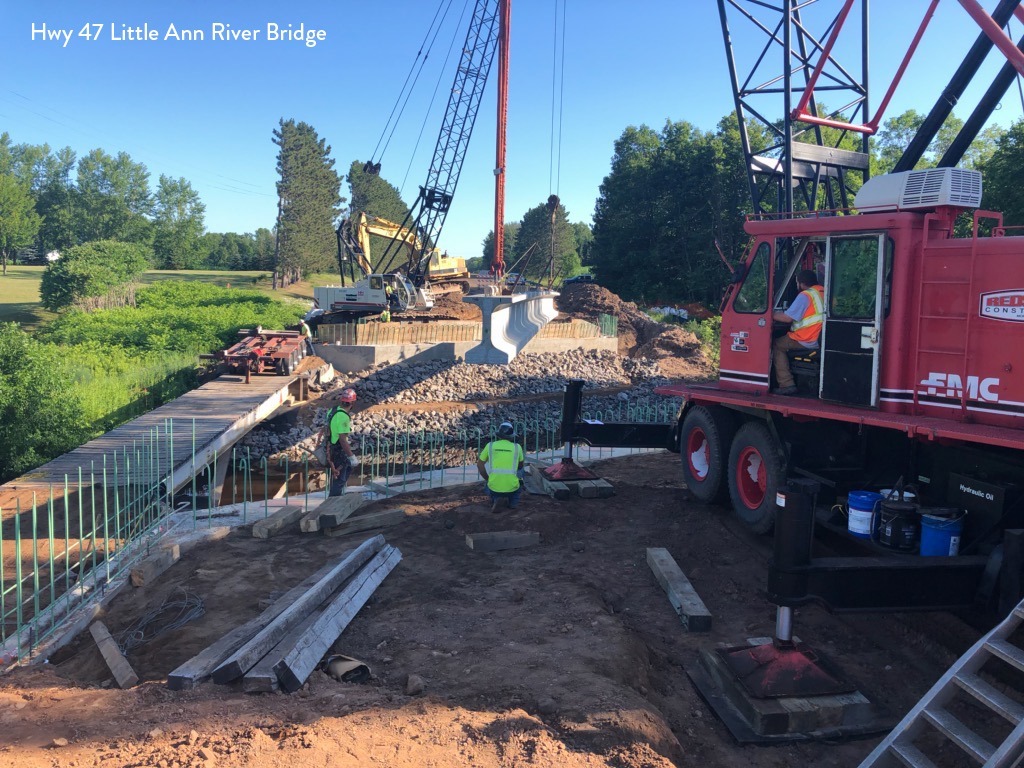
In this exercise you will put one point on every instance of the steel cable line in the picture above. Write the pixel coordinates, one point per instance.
(557, 100)
(407, 88)
(433, 97)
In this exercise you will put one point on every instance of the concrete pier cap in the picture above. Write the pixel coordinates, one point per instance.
(509, 322)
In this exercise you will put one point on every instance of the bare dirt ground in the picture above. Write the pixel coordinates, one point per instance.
(563, 654)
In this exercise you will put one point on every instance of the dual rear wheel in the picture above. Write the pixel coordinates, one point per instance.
(743, 463)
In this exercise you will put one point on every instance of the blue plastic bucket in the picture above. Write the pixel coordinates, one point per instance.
(940, 536)
(861, 507)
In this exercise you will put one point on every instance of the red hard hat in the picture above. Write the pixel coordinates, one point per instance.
(348, 395)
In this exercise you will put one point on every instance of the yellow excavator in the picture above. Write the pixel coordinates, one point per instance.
(443, 273)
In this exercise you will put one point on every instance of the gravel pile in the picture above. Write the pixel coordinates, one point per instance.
(526, 375)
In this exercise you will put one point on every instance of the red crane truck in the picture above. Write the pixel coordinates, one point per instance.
(920, 371)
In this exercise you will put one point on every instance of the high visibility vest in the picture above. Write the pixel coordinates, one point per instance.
(338, 423)
(502, 458)
(808, 328)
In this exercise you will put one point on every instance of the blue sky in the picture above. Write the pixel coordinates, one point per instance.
(205, 110)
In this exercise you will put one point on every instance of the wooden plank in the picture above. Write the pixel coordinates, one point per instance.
(595, 489)
(245, 658)
(555, 489)
(367, 522)
(498, 540)
(684, 598)
(301, 660)
(338, 509)
(277, 522)
(262, 678)
(531, 482)
(145, 573)
(199, 668)
(118, 664)
(311, 522)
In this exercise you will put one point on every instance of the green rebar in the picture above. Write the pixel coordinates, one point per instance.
(81, 526)
(19, 589)
(106, 520)
(51, 542)
(3, 590)
(92, 506)
(35, 556)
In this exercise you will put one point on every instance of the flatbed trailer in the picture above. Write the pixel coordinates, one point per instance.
(261, 351)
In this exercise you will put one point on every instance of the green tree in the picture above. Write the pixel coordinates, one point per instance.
(57, 202)
(372, 195)
(91, 270)
(114, 200)
(40, 416)
(668, 198)
(550, 235)
(1002, 190)
(584, 240)
(178, 225)
(308, 202)
(511, 233)
(19, 221)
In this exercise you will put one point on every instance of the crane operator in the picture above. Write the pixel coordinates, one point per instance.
(805, 316)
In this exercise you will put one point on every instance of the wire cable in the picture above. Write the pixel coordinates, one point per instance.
(407, 88)
(177, 610)
(433, 97)
(557, 102)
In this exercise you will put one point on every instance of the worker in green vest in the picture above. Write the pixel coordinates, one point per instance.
(500, 464)
(385, 316)
(340, 458)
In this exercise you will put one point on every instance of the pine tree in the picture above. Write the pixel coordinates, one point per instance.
(308, 202)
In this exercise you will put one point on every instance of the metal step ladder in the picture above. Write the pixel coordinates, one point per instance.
(898, 748)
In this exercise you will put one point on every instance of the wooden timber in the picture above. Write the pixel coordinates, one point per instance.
(367, 522)
(338, 509)
(118, 664)
(293, 670)
(201, 666)
(277, 522)
(145, 573)
(209, 418)
(498, 540)
(684, 598)
(246, 657)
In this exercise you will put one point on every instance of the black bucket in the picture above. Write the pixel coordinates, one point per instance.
(899, 525)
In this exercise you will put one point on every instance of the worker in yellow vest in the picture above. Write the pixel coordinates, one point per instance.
(500, 464)
(385, 316)
(805, 315)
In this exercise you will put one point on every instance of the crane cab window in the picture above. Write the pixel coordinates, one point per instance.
(854, 277)
(752, 297)
(377, 283)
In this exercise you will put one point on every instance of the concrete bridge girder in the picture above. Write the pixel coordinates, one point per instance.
(509, 323)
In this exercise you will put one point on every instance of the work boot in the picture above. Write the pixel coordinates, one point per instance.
(494, 506)
(791, 390)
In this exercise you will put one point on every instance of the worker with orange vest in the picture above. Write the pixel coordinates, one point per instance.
(805, 314)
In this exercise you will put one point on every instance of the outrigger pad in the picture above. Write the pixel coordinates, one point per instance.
(567, 469)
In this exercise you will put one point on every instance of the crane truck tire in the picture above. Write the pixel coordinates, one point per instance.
(704, 440)
(756, 473)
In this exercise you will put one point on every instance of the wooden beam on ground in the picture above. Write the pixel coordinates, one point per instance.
(554, 488)
(367, 522)
(262, 678)
(118, 664)
(382, 489)
(146, 572)
(684, 598)
(595, 489)
(333, 512)
(246, 657)
(300, 661)
(498, 540)
(277, 522)
(199, 668)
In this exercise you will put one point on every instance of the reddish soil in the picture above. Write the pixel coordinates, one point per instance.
(588, 301)
(562, 654)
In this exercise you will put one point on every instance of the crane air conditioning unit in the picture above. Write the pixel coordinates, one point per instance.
(914, 190)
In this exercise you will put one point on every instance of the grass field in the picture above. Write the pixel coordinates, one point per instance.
(19, 290)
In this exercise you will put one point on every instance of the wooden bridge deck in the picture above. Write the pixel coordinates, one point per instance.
(162, 442)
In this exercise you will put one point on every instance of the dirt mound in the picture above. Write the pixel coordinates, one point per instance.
(679, 354)
(588, 301)
(451, 305)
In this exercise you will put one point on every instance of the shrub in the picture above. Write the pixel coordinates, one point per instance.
(91, 270)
